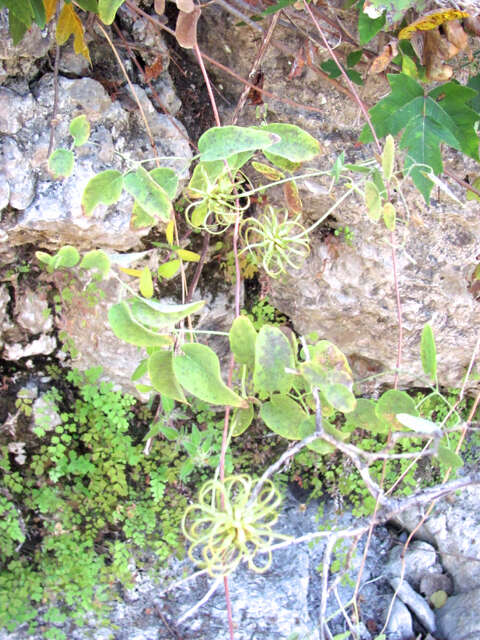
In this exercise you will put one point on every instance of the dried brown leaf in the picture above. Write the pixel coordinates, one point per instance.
(292, 197)
(455, 34)
(382, 61)
(436, 50)
(472, 25)
(186, 28)
(154, 70)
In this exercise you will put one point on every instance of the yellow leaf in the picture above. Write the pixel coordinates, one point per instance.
(70, 24)
(431, 21)
(50, 7)
(132, 272)
(169, 231)
(188, 256)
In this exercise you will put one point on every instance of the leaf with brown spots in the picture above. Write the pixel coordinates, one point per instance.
(431, 21)
(292, 197)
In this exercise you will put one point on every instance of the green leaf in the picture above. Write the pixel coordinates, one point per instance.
(283, 416)
(80, 130)
(38, 10)
(198, 371)
(140, 218)
(281, 162)
(354, 57)
(107, 10)
(146, 283)
(60, 163)
(16, 27)
(321, 446)
(126, 328)
(368, 27)
(96, 259)
(295, 144)
(167, 179)
(373, 201)
(267, 170)
(334, 71)
(169, 269)
(474, 83)
(241, 420)
(364, 417)
(88, 5)
(160, 370)
(154, 314)
(473, 196)
(242, 338)
(67, 257)
(220, 143)
(449, 458)
(339, 396)
(281, 4)
(141, 370)
(273, 354)
(21, 9)
(148, 193)
(393, 402)
(106, 188)
(428, 120)
(388, 157)
(428, 352)
(44, 258)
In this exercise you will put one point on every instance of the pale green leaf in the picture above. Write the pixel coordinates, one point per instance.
(107, 10)
(148, 193)
(220, 143)
(393, 402)
(60, 163)
(126, 328)
(241, 420)
(283, 416)
(373, 201)
(389, 216)
(448, 457)
(420, 425)
(96, 259)
(242, 338)
(198, 371)
(273, 354)
(67, 257)
(162, 376)
(80, 130)
(188, 256)
(428, 352)
(154, 314)
(388, 157)
(104, 188)
(146, 283)
(295, 144)
(169, 269)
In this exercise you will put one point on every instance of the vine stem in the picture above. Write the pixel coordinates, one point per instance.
(237, 312)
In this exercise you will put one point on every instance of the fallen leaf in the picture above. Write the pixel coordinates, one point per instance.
(153, 70)
(430, 21)
(292, 197)
(254, 96)
(50, 7)
(436, 51)
(298, 64)
(455, 34)
(472, 25)
(186, 28)
(382, 61)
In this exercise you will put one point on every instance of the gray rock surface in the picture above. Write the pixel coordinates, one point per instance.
(400, 626)
(415, 602)
(453, 529)
(459, 618)
(49, 212)
(418, 560)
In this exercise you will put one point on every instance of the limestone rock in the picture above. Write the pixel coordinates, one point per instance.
(459, 618)
(50, 213)
(33, 313)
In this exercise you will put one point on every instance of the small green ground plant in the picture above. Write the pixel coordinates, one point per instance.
(85, 501)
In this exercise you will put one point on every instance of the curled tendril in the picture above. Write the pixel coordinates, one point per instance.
(218, 200)
(280, 242)
(225, 527)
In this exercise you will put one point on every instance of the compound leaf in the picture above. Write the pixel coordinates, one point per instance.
(428, 120)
